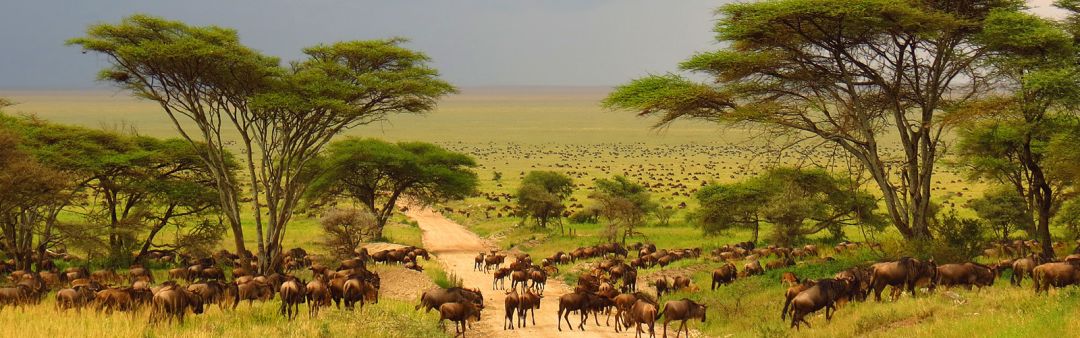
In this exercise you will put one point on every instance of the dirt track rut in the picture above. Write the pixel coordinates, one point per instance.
(456, 247)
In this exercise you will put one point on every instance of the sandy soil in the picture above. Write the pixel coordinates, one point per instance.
(456, 247)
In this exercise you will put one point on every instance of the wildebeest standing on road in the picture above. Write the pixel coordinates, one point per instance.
(459, 313)
(682, 310)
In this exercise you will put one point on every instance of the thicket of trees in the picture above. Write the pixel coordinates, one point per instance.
(224, 95)
(106, 193)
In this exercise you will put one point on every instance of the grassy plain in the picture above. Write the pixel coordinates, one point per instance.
(512, 131)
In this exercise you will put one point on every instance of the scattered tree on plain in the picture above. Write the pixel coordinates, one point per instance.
(625, 205)
(379, 174)
(542, 195)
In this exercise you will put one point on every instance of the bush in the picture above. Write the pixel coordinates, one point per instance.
(346, 229)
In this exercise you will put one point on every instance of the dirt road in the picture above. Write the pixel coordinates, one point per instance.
(456, 247)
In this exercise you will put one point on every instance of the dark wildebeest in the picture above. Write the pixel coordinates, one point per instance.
(906, 273)
(478, 262)
(643, 312)
(577, 301)
(459, 313)
(529, 301)
(173, 302)
(251, 291)
(211, 292)
(662, 287)
(14, 296)
(293, 293)
(511, 304)
(1058, 274)
(682, 310)
(723, 276)
(74, 298)
(966, 275)
(110, 300)
(1024, 266)
(860, 282)
(539, 279)
(822, 295)
(318, 295)
(356, 289)
(432, 299)
(753, 268)
(789, 278)
(791, 293)
(498, 278)
(519, 278)
(623, 303)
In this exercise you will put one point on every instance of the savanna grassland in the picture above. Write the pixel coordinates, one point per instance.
(513, 131)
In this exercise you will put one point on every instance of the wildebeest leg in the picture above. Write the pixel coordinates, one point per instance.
(560, 319)
(666, 321)
(638, 330)
(584, 318)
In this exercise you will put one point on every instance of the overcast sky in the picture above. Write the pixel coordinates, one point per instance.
(472, 42)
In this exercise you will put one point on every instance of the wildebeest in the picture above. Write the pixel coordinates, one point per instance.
(318, 295)
(539, 280)
(790, 294)
(753, 268)
(511, 304)
(577, 301)
(822, 295)
(432, 299)
(110, 300)
(251, 291)
(643, 312)
(1057, 274)
(789, 278)
(966, 275)
(173, 302)
(459, 313)
(74, 298)
(903, 273)
(1024, 266)
(529, 301)
(14, 296)
(723, 276)
(293, 293)
(682, 310)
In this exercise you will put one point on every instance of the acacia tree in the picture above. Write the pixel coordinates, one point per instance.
(624, 203)
(32, 196)
(842, 73)
(796, 202)
(216, 90)
(378, 174)
(1007, 136)
(541, 196)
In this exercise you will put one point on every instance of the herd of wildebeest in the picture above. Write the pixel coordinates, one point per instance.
(607, 284)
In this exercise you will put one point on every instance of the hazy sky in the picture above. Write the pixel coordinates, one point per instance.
(473, 42)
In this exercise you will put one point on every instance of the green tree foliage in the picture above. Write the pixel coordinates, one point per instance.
(796, 202)
(1006, 137)
(1005, 211)
(959, 239)
(378, 174)
(541, 197)
(624, 204)
(215, 90)
(32, 196)
(843, 73)
(130, 188)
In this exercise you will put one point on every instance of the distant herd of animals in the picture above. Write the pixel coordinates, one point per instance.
(608, 286)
